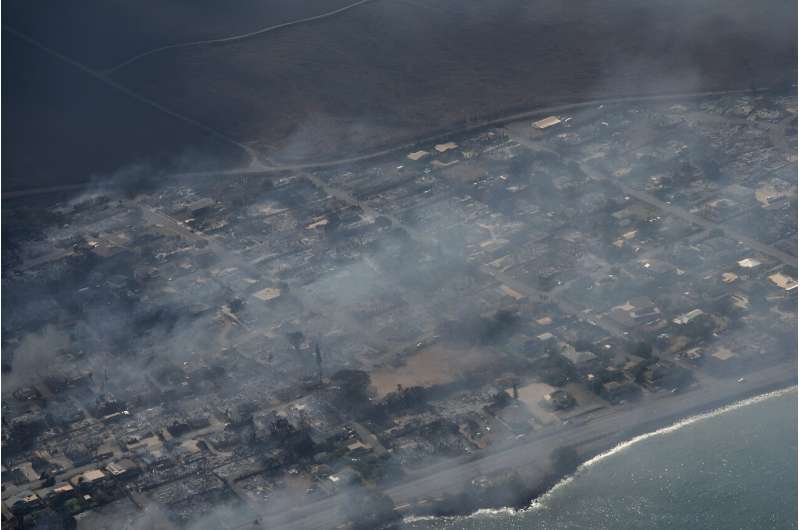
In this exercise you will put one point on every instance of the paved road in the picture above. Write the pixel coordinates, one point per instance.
(777, 138)
(681, 213)
(605, 428)
(672, 209)
(601, 430)
(255, 167)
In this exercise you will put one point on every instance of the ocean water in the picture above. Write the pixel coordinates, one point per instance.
(734, 468)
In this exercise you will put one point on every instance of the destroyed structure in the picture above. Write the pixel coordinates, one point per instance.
(215, 350)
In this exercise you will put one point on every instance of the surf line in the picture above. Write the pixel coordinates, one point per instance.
(539, 502)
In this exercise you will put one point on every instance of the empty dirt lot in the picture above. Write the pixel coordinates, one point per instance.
(436, 365)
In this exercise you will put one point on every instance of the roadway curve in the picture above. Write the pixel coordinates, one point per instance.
(235, 38)
(256, 167)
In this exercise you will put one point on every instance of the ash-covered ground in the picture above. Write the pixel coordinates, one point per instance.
(414, 334)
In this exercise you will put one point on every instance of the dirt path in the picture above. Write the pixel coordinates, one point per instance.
(236, 38)
(105, 79)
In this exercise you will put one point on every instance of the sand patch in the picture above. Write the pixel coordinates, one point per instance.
(435, 365)
(531, 395)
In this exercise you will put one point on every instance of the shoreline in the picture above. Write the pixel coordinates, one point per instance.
(594, 451)
(600, 455)
(593, 436)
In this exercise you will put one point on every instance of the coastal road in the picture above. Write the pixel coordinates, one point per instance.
(598, 431)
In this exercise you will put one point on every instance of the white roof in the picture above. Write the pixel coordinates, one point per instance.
(749, 263)
(267, 294)
(318, 223)
(511, 292)
(688, 317)
(445, 147)
(549, 121)
(783, 281)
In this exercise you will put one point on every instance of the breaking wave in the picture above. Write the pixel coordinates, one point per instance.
(541, 501)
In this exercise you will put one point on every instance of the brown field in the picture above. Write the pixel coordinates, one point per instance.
(436, 365)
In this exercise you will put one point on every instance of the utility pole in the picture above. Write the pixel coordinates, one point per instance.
(318, 358)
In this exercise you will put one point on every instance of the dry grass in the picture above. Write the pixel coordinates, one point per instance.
(436, 365)
(383, 73)
(391, 71)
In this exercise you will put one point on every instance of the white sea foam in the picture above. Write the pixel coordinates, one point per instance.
(540, 501)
